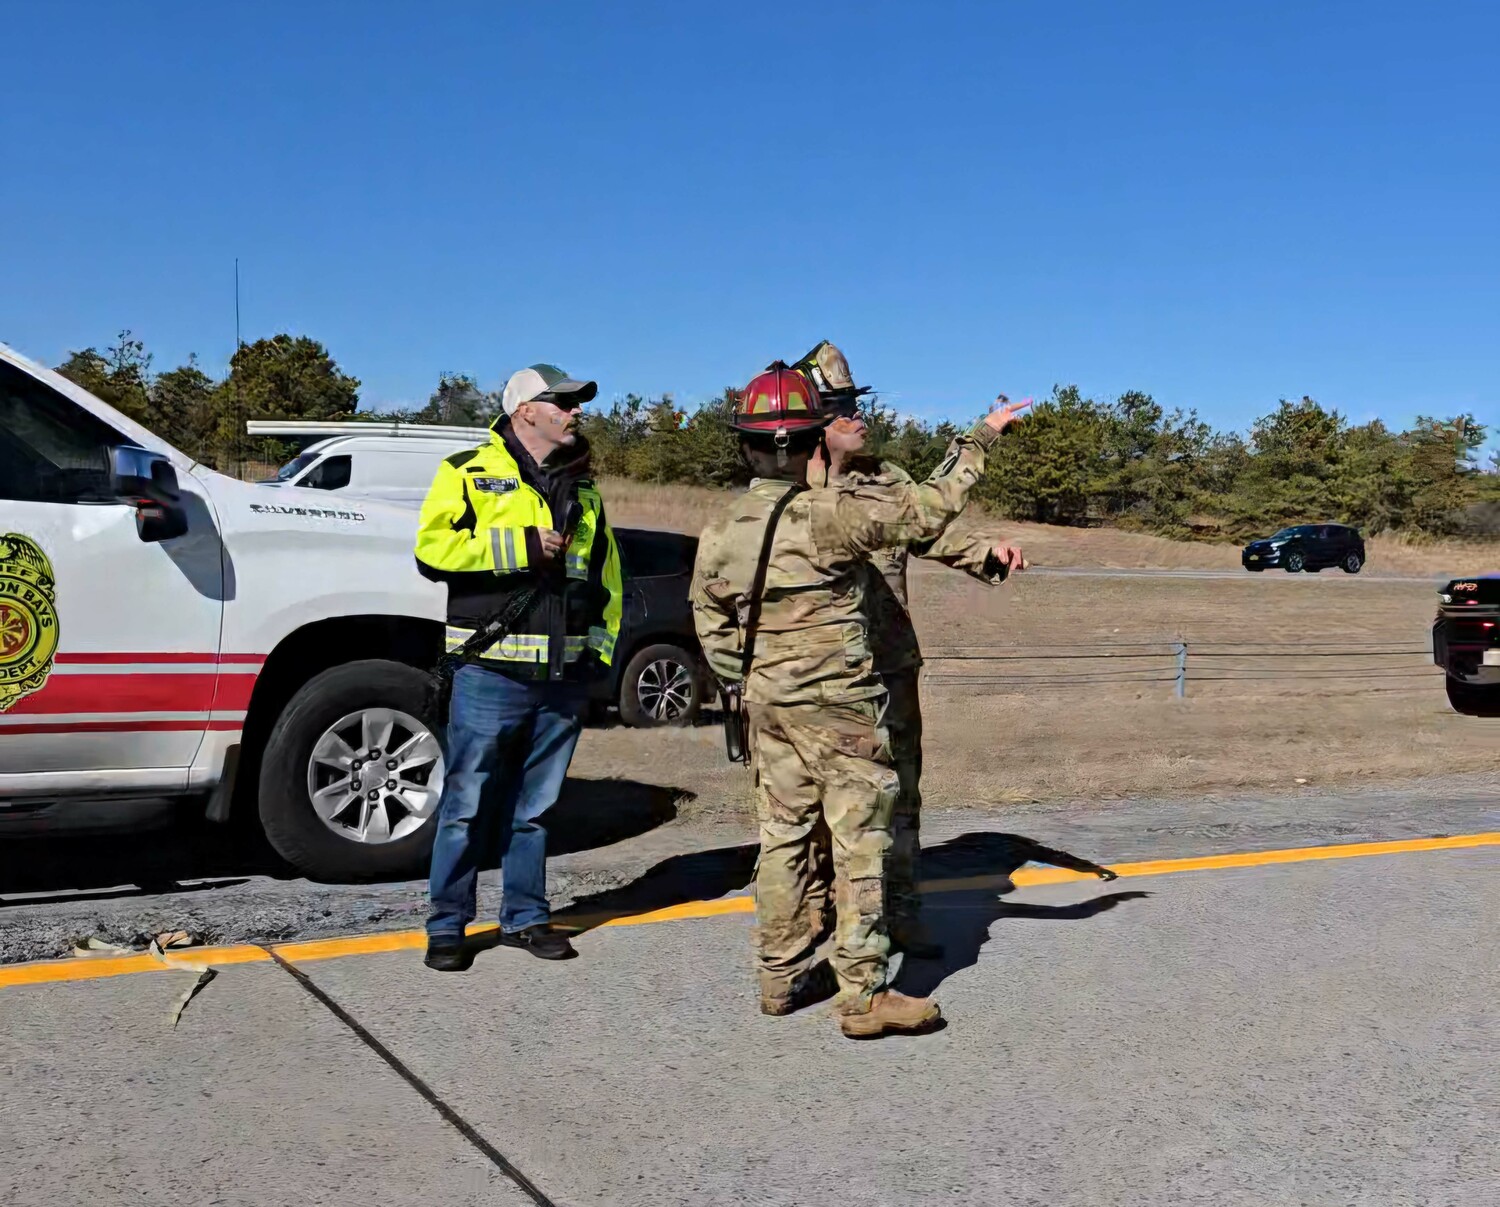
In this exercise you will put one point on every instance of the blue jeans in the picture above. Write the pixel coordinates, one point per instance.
(506, 753)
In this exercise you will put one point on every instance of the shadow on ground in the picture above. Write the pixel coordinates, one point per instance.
(964, 880)
(960, 914)
(114, 851)
(696, 876)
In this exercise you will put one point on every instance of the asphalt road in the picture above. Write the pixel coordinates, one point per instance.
(1306, 1032)
(122, 874)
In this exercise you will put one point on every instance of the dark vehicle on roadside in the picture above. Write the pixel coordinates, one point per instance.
(1310, 547)
(658, 676)
(1466, 644)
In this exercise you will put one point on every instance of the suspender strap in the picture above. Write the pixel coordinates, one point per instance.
(758, 586)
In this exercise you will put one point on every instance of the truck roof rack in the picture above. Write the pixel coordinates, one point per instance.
(317, 429)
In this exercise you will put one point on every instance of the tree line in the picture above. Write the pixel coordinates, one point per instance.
(1130, 463)
(1075, 461)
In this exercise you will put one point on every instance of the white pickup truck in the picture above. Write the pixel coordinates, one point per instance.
(166, 630)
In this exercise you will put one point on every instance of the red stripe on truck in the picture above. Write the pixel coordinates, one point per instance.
(114, 656)
(146, 693)
(122, 727)
(234, 691)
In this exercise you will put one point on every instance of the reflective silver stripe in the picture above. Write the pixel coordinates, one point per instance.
(574, 648)
(603, 641)
(495, 549)
(510, 549)
(578, 566)
(520, 647)
(524, 648)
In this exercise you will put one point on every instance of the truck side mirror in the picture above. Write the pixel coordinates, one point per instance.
(148, 482)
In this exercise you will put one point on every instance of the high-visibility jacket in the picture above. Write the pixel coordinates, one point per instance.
(478, 532)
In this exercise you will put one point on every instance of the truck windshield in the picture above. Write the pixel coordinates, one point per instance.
(293, 467)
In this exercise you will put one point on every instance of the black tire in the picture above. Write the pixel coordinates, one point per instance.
(1294, 562)
(1352, 563)
(644, 707)
(1474, 699)
(286, 813)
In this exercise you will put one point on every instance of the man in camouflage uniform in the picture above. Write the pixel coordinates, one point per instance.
(821, 750)
(893, 641)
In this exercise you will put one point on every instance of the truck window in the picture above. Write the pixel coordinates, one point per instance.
(331, 474)
(51, 449)
(655, 555)
(294, 467)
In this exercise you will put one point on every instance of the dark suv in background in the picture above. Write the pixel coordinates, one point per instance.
(1311, 547)
(1466, 644)
(658, 676)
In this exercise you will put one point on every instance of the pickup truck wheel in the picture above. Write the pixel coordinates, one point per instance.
(1295, 562)
(1352, 563)
(352, 774)
(660, 686)
(1474, 699)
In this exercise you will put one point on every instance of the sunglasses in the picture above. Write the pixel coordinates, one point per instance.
(844, 404)
(563, 402)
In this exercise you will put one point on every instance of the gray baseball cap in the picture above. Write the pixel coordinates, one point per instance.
(546, 383)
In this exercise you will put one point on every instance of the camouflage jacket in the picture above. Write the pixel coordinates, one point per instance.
(893, 638)
(813, 643)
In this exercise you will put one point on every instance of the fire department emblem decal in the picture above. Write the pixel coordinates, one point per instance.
(28, 618)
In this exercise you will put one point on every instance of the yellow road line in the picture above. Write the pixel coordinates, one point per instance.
(97, 967)
(91, 968)
(1213, 863)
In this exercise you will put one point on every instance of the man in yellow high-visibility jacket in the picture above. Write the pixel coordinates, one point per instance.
(516, 526)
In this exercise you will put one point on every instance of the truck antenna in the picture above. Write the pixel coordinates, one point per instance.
(239, 410)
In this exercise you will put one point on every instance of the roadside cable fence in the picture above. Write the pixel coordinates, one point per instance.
(1097, 664)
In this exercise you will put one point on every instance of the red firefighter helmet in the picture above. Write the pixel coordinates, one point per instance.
(778, 401)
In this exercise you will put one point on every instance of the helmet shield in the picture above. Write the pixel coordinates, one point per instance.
(777, 401)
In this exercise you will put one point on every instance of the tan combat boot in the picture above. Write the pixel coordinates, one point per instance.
(891, 1013)
(816, 985)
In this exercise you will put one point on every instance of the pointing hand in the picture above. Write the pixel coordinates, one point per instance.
(1005, 412)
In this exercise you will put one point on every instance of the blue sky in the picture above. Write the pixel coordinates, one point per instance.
(1221, 204)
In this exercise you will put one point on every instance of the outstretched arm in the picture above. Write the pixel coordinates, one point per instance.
(981, 555)
(856, 522)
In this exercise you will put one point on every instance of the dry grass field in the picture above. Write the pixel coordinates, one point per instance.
(1041, 726)
(1052, 730)
(689, 508)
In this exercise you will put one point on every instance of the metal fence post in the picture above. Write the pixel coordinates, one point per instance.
(1181, 690)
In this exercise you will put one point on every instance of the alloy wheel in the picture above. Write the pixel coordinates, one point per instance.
(665, 689)
(375, 775)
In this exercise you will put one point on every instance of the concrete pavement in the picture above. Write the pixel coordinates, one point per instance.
(1314, 1032)
(118, 876)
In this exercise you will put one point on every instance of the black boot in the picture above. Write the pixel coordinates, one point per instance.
(541, 941)
(445, 953)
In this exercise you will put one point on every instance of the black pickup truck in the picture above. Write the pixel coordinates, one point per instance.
(1466, 644)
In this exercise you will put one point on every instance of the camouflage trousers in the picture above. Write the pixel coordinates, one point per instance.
(829, 767)
(903, 721)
